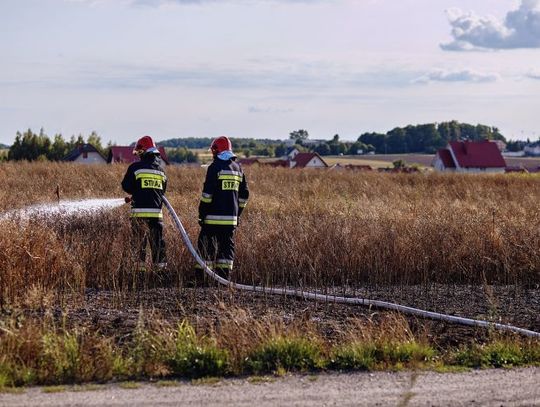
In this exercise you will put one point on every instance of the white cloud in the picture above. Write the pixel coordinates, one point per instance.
(466, 75)
(534, 74)
(520, 29)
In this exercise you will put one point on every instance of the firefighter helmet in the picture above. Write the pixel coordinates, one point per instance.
(220, 145)
(145, 145)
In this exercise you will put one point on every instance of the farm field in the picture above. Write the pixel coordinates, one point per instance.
(458, 244)
(422, 160)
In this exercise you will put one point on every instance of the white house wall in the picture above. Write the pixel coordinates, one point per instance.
(315, 163)
(92, 158)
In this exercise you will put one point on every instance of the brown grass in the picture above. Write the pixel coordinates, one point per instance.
(302, 228)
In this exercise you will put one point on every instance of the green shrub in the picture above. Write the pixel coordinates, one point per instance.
(355, 356)
(393, 353)
(194, 357)
(285, 353)
(59, 359)
(367, 356)
(494, 355)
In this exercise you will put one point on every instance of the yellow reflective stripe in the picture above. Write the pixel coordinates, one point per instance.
(150, 176)
(220, 222)
(230, 177)
(242, 204)
(147, 215)
(224, 266)
(209, 264)
(206, 200)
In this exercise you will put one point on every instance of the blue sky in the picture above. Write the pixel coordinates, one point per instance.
(262, 68)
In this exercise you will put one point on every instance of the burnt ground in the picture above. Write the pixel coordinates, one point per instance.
(118, 314)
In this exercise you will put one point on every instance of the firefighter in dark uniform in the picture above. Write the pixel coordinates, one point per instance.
(224, 196)
(146, 182)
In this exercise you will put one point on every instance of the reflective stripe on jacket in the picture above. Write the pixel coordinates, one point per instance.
(146, 181)
(225, 194)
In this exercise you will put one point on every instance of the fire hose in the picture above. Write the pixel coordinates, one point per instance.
(307, 295)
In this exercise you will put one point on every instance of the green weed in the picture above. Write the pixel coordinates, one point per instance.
(287, 353)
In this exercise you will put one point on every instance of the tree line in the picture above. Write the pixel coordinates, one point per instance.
(32, 146)
(422, 138)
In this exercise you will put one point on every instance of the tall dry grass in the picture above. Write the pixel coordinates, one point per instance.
(301, 228)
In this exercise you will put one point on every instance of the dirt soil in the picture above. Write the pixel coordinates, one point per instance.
(119, 315)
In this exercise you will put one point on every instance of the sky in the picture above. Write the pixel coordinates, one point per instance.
(263, 68)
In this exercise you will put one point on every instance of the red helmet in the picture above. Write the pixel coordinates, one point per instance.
(220, 145)
(143, 145)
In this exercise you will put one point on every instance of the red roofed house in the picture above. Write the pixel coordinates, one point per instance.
(119, 154)
(307, 160)
(470, 156)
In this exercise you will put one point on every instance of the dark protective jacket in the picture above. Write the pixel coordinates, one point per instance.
(225, 194)
(145, 180)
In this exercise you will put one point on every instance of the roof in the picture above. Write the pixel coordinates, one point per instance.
(477, 154)
(446, 158)
(123, 154)
(302, 159)
(80, 149)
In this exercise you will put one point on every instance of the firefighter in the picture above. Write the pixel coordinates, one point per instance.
(224, 196)
(146, 182)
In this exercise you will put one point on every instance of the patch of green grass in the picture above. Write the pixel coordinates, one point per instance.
(196, 358)
(370, 356)
(54, 389)
(260, 379)
(285, 353)
(11, 390)
(87, 387)
(355, 356)
(497, 354)
(129, 385)
(167, 383)
(206, 381)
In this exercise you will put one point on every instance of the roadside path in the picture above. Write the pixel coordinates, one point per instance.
(518, 387)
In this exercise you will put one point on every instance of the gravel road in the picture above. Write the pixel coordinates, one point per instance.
(518, 387)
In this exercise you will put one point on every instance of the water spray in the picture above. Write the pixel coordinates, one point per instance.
(308, 295)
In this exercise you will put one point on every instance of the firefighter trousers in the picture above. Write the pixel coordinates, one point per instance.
(216, 246)
(149, 231)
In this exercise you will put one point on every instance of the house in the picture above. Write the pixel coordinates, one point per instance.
(470, 156)
(307, 160)
(124, 154)
(291, 153)
(532, 149)
(85, 154)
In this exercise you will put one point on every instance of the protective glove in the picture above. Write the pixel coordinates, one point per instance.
(128, 199)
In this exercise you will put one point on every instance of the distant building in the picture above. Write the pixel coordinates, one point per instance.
(291, 153)
(85, 154)
(532, 149)
(470, 156)
(307, 160)
(123, 154)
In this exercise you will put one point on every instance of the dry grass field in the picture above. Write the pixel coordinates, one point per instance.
(466, 245)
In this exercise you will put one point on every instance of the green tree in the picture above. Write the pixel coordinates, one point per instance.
(299, 135)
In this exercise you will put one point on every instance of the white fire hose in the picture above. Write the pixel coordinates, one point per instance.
(338, 299)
